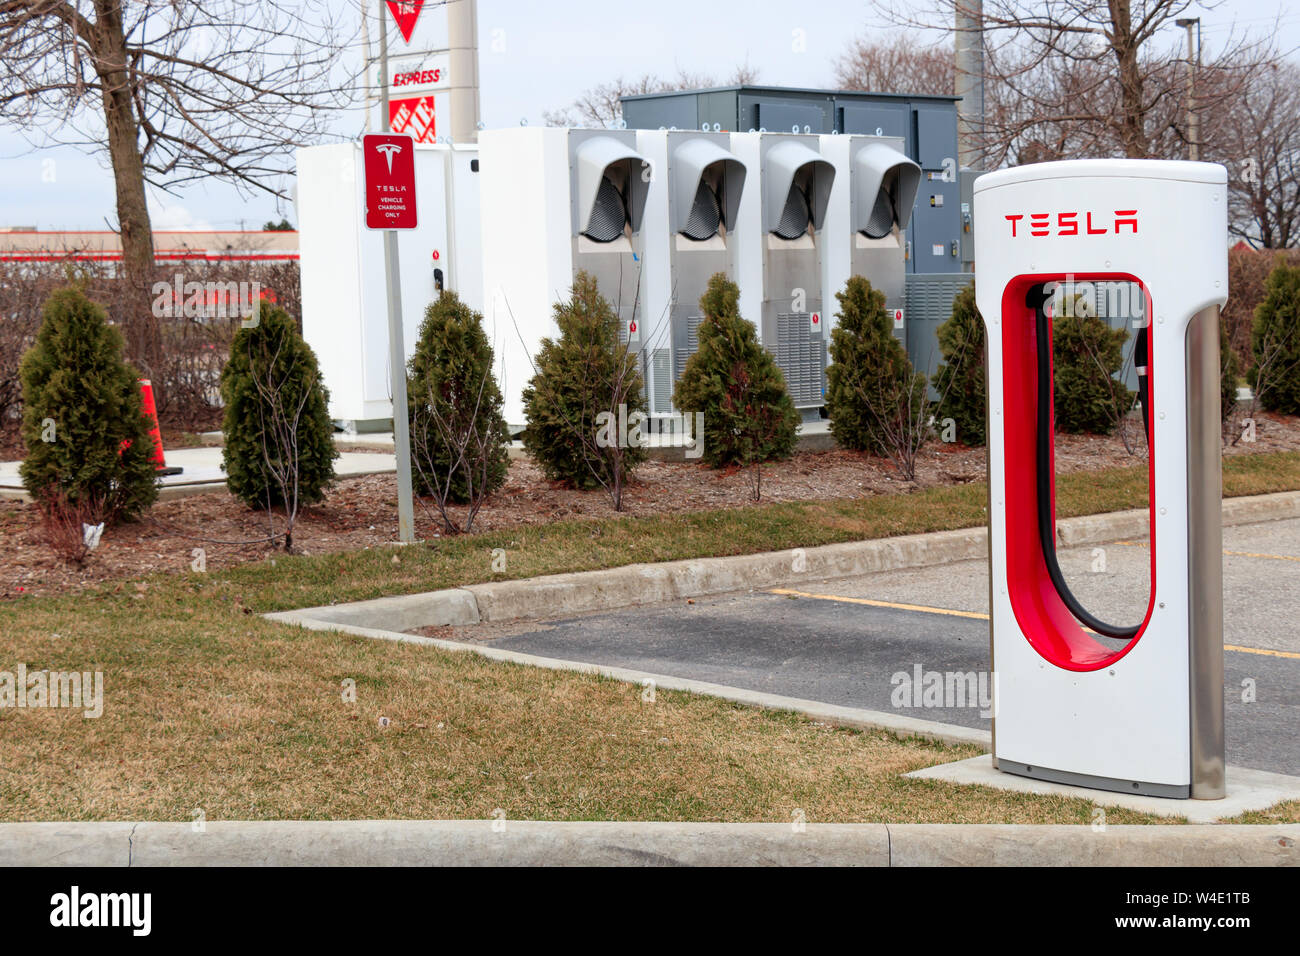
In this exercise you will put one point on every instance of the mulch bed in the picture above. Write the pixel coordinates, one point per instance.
(362, 512)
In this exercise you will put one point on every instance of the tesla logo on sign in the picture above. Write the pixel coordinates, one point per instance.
(405, 12)
(1068, 224)
(388, 149)
(389, 161)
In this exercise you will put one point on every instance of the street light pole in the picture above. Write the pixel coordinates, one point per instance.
(1193, 61)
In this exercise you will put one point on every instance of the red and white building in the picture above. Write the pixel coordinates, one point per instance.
(30, 245)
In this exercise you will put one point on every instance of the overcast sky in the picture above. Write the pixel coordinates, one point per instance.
(539, 56)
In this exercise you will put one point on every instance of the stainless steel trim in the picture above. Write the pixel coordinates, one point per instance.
(988, 442)
(1070, 778)
(1205, 556)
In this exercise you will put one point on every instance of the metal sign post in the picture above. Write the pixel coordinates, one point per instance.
(390, 205)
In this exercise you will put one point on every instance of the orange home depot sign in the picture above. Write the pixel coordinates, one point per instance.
(414, 117)
(405, 12)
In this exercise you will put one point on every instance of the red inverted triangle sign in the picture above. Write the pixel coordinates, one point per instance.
(405, 12)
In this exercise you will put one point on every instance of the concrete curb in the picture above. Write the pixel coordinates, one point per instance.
(527, 843)
(946, 844)
(565, 595)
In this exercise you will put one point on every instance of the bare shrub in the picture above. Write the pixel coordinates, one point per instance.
(71, 527)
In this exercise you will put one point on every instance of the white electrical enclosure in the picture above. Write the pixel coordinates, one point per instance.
(554, 202)
(691, 219)
(342, 267)
(866, 219)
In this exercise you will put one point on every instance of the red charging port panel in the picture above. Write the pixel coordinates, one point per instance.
(1043, 617)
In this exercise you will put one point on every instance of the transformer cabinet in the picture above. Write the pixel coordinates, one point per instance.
(690, 224)
(344, 304)
(780, 265)
(870, 208)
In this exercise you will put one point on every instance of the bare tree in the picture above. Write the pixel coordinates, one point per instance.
(896, 65)
(1258, 140)
(72, 528)
(1068, 78)
(454, 452)
(900, 414)
(1275, 362)
(270, 370)
(601, 105)
(172, 91)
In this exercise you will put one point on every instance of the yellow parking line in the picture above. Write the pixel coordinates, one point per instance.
(1253, 554)
(1237, 554)
(787, 592)
(888, 604)
(1259, 650)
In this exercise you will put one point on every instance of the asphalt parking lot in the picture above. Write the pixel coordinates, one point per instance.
(841, 641)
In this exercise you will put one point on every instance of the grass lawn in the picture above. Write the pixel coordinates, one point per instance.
(208, 706)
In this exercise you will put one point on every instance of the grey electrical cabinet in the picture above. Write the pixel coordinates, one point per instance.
(967, 221)
(934, 235)
(929, 305)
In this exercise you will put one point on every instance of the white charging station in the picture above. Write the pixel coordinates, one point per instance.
(1135, 708)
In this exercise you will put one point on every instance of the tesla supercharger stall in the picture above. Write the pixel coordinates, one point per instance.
(871, 205)
(781, 260)
(555, 202)
(690, 224)
(1133, 706)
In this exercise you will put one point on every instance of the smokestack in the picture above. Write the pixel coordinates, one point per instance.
(968, 35)
(462, 66)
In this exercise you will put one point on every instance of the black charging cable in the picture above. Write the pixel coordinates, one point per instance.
(1037, 299)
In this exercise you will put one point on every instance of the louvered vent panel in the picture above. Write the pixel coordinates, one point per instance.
(661, 401)
(692, 343)
(800, 354)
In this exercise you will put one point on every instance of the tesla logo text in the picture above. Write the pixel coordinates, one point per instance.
(1070, 224)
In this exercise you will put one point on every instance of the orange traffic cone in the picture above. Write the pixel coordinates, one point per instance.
(151, 412)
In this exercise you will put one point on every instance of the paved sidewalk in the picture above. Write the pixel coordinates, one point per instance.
(202, 472)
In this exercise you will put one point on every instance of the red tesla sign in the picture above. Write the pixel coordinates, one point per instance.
(405, 12)
(390, 181)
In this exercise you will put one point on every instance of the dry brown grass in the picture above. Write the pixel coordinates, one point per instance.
(209, 708)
